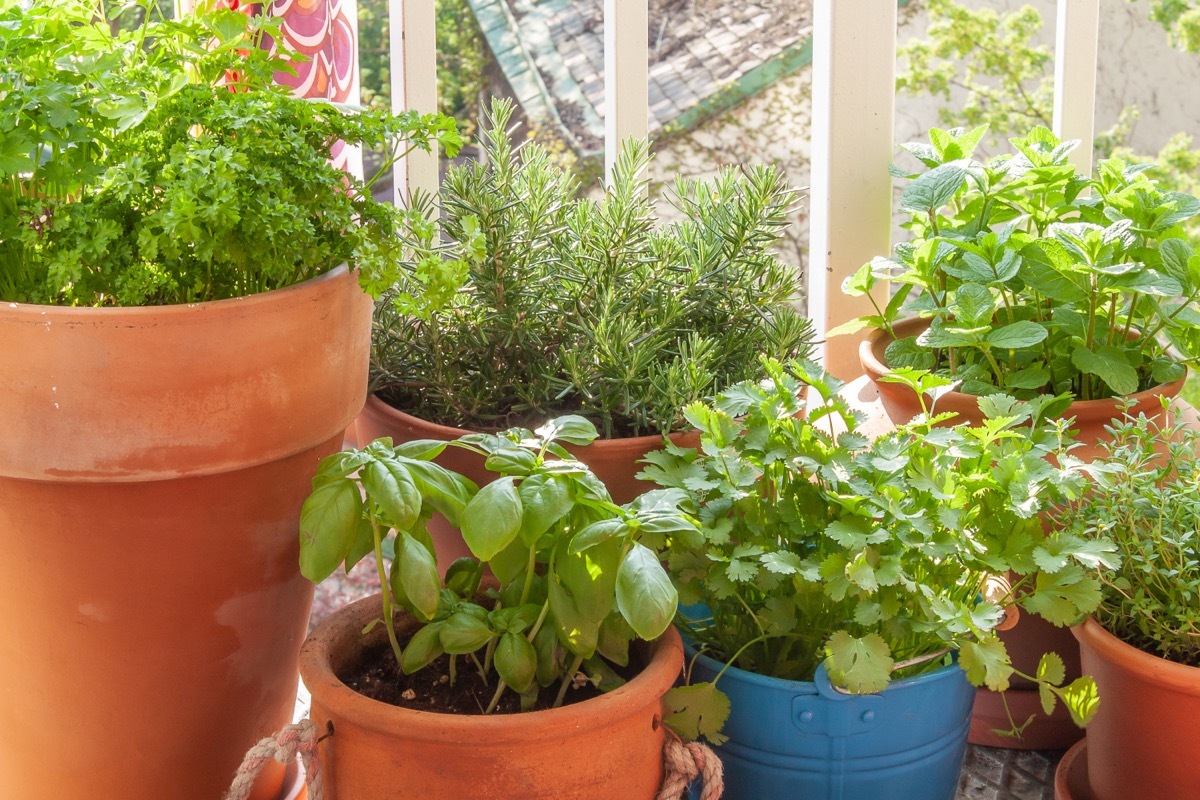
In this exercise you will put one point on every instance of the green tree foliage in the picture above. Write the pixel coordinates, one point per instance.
(461, 53)
(1007, 77)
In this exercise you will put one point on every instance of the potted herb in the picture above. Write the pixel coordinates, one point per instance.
(182, 337)
(579, 606)
(1025, 277)
(843, 593)
(584, 306)
(1141, 644)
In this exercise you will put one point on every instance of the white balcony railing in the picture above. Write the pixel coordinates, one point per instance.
(854, 45)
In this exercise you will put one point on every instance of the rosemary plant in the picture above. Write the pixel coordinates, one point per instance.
(587, 306)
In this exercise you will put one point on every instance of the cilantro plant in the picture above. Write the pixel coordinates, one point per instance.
(1147, 500)
(872, 558)
(575, 305)
(578, 575)
(1038, 280)
(157, 162)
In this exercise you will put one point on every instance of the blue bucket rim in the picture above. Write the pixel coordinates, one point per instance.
(787, 684)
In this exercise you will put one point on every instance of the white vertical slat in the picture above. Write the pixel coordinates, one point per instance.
(413, 32)
(1076, 42)
(853, 98)
(626, 72)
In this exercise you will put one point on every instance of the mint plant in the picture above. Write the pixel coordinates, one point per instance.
(1145, 499)
(575, 305)
(578, 575)
(155, 161)
(1038, 280)
(871, 558)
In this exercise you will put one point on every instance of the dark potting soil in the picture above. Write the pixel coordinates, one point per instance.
(378, 677)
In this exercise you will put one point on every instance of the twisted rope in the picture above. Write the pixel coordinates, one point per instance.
(682, 762)
(298, 739)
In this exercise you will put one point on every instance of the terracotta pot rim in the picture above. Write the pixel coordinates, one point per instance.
(1149, 667)
(446, 432)
(870, 354)
(91, 313)
(344, 625)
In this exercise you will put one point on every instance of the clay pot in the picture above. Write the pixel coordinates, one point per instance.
(1144, 741)
(1070, 777)
(1091, 416)
(603, 748)
(152, 611)
(614, 462)
(1033, 636)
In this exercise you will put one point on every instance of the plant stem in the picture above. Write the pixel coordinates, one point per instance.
(385, 586)
(562, 690)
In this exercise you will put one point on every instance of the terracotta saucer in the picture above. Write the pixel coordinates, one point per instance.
(1071, 777)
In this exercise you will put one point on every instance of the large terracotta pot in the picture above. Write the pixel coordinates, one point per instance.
(1144, 743)
(1032, 637)
(614, 461)
(603, 748)
(151, 478)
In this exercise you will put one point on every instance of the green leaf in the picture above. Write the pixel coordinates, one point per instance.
(329, 527)
(645, 596)
(423, 648)
(1108, 364)
(446, 492)
(986, 663)
(697, 710)
(933, 189)
(545, 499)
(1029, 378)
(516, 661)
(492, 519)
(464, 633)
(1051, 669)
(388, 484)
(572, 429)
(973, 304)
(1062, 597)
(464, 576)
(577, 633)
(597, 533)
(420, 449)
(1017, 335)
(861, 665)
(1081, 698)
(414, 578)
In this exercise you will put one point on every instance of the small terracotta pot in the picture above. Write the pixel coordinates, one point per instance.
(1032, 637)
(1070, 777)
(1145, 739)
(614, 462)
(603, 748)
(152, 609)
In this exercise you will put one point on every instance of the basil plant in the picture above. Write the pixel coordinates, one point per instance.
(578, 576)
(1037, 279)
(871, 559)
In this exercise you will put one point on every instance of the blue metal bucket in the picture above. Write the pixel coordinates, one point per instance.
(796, 739)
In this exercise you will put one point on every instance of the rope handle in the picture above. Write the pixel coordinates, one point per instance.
(682, 763)
(300, 739)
